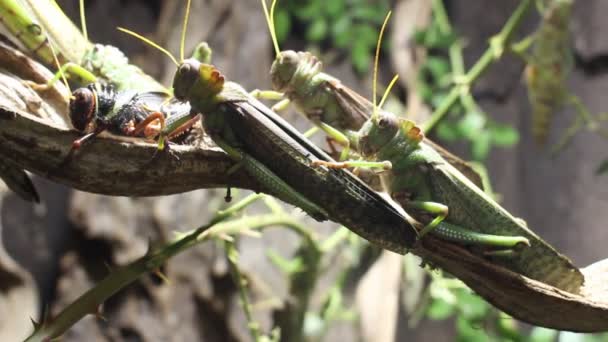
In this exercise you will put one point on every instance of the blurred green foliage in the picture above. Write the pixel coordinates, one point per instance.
(349, 25)
(478, 321)
(466, 121)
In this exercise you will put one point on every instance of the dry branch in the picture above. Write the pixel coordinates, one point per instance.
(112, 166)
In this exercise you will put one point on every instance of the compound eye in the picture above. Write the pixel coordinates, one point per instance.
(384, 122)
(82, 108)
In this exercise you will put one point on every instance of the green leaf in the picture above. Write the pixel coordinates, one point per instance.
(335, 8)
(439, 309)
(567, 336)
(468, 331)
(507, 327)
(471, 306)
(311, 11)
(504, 135)
(448, 131)
(317, 31)
(342, 32)
(480, 147)
(472, 124)
(540, 334)
(361, 60)
(367, 35)
(282, 24)
(365, 13)
(438, 67)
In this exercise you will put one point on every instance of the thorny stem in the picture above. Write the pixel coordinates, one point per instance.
(90, 301)
(456, 56)
(498, 44)
(241, 283)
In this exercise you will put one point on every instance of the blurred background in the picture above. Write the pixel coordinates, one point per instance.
(64, 245)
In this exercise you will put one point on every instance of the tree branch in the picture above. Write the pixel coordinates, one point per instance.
(115, 166)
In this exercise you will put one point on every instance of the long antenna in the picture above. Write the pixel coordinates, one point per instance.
(388, 90)
(58, 66)
(376, 59)
(83, 21)
(270, 21)
(185, 26)
(149, 42)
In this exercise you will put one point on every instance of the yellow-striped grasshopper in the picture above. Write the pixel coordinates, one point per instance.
(430, 188)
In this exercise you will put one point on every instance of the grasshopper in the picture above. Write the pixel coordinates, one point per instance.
(437, 194)
(548, 65)
(335, 108)
(279, 157)
(99, 107)
(43, 28)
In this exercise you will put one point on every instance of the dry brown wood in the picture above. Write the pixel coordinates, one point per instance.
(525, 299)
(116, 166)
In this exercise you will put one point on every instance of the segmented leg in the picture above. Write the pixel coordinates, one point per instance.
(384, 165)
(452, 232)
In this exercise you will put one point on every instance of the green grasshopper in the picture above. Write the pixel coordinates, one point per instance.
(278, 157)
(324, 100)
(437, 194)
(548, 65)
(43, 28)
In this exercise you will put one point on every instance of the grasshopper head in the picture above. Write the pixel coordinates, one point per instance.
(185, 78)
(83, 106)
(375, 134)
(197, 83)
(283, 69)
(291, 68)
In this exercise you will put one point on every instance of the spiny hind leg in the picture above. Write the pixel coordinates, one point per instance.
(383, 165)
(505, 245)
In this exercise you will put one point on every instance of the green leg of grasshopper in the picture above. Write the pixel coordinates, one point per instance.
(68, 69)
(434, 208)
(384, 165)
(438, 226)
(270, 181)
(272, 96)
(267, 95)
(461, 235)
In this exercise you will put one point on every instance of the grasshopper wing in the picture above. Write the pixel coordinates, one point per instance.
(347, 199)
(357, 107)
(459, 164)
(472, 208)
